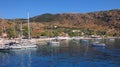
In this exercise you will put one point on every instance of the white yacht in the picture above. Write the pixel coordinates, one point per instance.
(28, 43)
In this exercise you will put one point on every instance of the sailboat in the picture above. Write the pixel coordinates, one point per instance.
(28, 43)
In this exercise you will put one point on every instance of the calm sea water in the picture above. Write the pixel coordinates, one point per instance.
(72, 53)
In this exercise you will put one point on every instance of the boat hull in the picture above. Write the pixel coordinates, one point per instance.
(98, 45)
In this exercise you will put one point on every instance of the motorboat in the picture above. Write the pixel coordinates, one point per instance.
(53, 43)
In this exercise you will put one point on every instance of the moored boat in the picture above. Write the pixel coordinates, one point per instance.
(14, 45)
(4, 47)
(53, 43)
(98, 44)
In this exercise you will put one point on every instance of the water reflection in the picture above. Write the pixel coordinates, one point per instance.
(70, 53)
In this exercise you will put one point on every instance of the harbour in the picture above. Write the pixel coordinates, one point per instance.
(70, 53)
(64, 33)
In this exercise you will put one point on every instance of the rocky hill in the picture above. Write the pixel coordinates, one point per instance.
(109, 19)
(102, 21)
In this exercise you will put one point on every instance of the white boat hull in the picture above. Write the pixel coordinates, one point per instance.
(28, 46)
(15, 47)
(53, 43)
(98, 45)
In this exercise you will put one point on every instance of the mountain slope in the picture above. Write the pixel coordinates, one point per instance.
(105, 19)
(94, 22)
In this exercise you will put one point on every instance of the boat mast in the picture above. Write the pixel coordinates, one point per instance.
(14, 29)
(3, 27)
(28, 27)
(3, 31)
(21, 33)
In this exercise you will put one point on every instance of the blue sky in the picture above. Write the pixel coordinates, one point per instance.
(19, 8)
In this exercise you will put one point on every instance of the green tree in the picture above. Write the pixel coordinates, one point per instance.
(72, 34)
(101, 32)
(25, 31)
(10, 33)
(56, 33)
(46, 33)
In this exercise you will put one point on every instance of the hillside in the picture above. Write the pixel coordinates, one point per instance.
(109, 18)
(102, 22)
